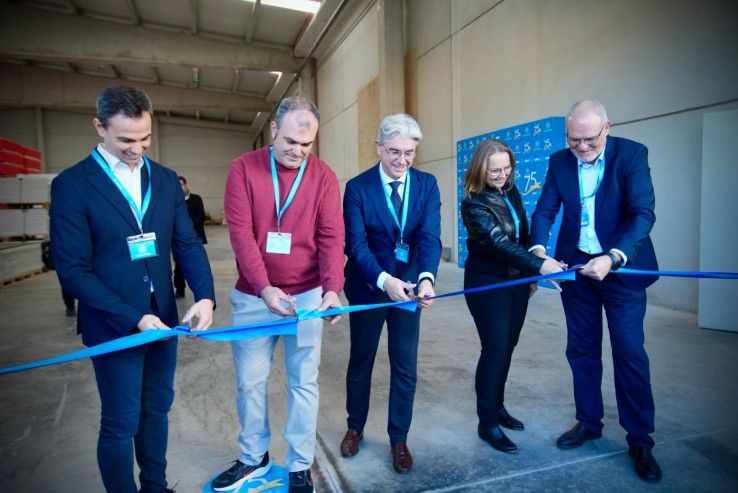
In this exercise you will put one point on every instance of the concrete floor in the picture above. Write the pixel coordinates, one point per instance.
(49, 416)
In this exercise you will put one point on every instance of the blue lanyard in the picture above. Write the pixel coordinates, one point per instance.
(275, 182)
(516, 220)
(581, 182)
(405, 204)
(139, 213)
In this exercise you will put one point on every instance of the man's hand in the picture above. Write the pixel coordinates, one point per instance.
(425, 288)
(330, 300)
(397, 289)
(149, 322)
(597, 268)
(203, 311)
(539, 252)
(277, 301)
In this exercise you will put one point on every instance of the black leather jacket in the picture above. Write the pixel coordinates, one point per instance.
(493, 250)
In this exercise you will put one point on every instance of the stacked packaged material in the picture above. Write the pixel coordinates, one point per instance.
(36, 222)
(35, 189)
(10, 190)
(19, 258)
(11, 222)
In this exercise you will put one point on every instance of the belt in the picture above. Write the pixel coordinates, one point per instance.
(590, 255)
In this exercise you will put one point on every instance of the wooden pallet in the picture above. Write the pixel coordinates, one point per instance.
(5, 239)
(17, 279)
(38, 205)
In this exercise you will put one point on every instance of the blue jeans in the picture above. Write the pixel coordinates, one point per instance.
(136, 389)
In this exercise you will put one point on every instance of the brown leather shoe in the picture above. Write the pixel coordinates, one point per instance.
(350, 443)
(402, 461)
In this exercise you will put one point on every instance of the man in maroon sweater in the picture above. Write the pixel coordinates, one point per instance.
(283, 208)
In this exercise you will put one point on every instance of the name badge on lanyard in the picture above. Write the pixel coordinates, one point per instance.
(142, 246)
(402, 249)
(586, 213)
(278, 241)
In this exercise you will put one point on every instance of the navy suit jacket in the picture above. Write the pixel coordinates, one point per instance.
(371, 233)
(624, 207)
(90, 221)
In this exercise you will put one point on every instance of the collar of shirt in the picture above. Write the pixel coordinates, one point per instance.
(131, 180)
(386, 179)
(114, 162)
(599, 161)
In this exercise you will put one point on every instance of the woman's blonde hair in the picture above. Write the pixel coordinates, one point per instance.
(476, 173)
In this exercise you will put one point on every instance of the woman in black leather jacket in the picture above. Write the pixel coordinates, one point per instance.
(493, 214)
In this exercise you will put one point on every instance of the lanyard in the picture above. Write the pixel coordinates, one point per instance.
(516, 220)
(275, 182)
(139, 213)
(581, 183)
(405, 204)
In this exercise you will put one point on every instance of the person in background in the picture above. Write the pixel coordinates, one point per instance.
(393, 243)
(283, 207)
(116, 220)
(494, 217)
(604, 185)
(196, 210)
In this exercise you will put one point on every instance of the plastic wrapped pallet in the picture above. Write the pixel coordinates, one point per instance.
(19, 259)
(11, 222)
(36, 189)
(10, 190)
(36, 222)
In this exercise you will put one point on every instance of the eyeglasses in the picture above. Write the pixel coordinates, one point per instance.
(496, 172)
(589, 142)
(397, 153)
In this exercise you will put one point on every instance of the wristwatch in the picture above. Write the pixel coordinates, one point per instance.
(616, 262)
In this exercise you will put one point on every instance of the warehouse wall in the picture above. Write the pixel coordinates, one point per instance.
(201, 155)
(481, 65)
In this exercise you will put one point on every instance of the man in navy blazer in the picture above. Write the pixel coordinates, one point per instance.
(604, 185)
(116, 219)
(393, 229)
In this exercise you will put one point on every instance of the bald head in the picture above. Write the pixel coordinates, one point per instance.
(587, 128)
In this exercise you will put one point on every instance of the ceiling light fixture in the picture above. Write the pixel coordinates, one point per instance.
(309, 6)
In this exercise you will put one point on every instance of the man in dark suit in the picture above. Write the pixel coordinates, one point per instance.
(117, 217)
(604, 185)
(393, 229)
(196, 211)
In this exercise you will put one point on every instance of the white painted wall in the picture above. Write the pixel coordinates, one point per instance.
(341, 73)
(658, 66)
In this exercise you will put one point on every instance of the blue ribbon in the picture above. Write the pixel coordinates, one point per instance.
(289, 326)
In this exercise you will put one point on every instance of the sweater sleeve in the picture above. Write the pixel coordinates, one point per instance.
(239, 215)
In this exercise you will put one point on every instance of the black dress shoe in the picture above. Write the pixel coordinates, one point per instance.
(646, 466)
(504, 418)
(497, 438)
(577, 436)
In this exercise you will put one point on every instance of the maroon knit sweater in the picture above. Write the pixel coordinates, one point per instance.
(313, 218)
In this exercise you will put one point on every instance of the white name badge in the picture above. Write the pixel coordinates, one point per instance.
(142, 246)
(279, 243)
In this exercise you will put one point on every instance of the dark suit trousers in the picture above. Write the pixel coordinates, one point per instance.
(499, 316)
(403, 328)
(136, 388)
(625, 309)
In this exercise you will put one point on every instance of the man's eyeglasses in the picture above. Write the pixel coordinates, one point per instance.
(496, 172)
(591, 141)
(397, 153)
